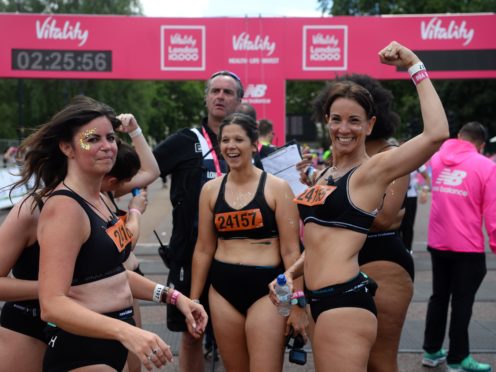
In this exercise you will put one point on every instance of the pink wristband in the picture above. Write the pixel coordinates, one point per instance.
(298, 294)
(174, 296)
(419, 76)
(135, 210)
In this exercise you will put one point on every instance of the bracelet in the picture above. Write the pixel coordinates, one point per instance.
(135, 211)
(297, 294)
(135, 133)
(419, 66)
(419, 76)
(174, 296)
(157, 293)
(418, 72)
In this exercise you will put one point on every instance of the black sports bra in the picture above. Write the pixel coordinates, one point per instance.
(107, 247)
(27, 265)
(254, 221)
(330, 205)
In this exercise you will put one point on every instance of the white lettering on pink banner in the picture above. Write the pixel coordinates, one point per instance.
(435, 30)
(325, 48)
(321, 39)
(256, 94)
(183, 48)
(259, 43)
(48, 29)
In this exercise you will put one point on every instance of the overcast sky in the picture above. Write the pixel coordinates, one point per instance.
(230, 8)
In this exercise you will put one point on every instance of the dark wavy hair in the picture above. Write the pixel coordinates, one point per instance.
(244, 121)
(382, 98)
(44, 165)
(342, 89)
(127, 162)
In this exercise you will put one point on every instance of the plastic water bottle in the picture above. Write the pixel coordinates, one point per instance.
(284, 295)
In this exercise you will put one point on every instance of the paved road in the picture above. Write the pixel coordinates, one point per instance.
(482, 328)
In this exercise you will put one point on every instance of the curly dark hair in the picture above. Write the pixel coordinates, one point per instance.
(386, 120)
(127, 162)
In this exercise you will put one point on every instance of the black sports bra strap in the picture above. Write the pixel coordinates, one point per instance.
(76, 197)
(259, 194)
(322, 174)
(261, 183)
(222, 189)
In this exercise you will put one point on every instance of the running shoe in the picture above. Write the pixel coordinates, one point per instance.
(434, 359)
(469, 364)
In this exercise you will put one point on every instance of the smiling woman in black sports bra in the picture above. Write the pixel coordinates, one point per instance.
(338, 211)
(248, 233)
(85, 292)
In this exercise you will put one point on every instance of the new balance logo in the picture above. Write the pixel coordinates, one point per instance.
(255, 90)
(51, 343)
(451, 177)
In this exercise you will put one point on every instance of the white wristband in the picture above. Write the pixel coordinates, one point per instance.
(135, 133)
(157, 293)
(419, 66)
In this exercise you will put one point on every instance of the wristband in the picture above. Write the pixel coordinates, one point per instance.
(135, 211)
(419, 76)
(135, 133)
(174, 296)
(298, 294)
(419, 66)
(157, 293)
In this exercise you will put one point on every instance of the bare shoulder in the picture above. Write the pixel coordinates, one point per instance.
(278, 186)
(63, 209)
(212, 185)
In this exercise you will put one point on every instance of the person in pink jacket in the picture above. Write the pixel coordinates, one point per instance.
(463, 195)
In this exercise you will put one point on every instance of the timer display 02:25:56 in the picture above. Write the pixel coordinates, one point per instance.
(62, 60)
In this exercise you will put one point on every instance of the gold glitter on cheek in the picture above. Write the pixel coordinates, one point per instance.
(83, 138)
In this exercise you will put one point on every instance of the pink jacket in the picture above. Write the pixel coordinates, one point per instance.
(463, 193)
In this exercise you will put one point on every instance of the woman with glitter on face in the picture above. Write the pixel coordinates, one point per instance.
(85, 292)
(248, 233)
(340, 207)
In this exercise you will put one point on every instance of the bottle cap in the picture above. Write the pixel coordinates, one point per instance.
(281, 279)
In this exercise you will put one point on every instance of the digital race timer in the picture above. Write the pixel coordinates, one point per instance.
(62, 60)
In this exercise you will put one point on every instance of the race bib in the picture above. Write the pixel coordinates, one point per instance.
(239, 220)
(120, 234)
(315, 195)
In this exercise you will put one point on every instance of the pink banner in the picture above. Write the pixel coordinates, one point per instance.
(264, 52)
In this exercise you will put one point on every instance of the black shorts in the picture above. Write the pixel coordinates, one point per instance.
(386, 246)
(357, 292)
(24, 317)
(180, 278)
(242, 285)
(67, 351)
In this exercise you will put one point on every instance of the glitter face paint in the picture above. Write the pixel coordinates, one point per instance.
(83, 138)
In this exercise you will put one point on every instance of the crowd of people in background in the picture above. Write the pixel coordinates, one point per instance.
(71, 281)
